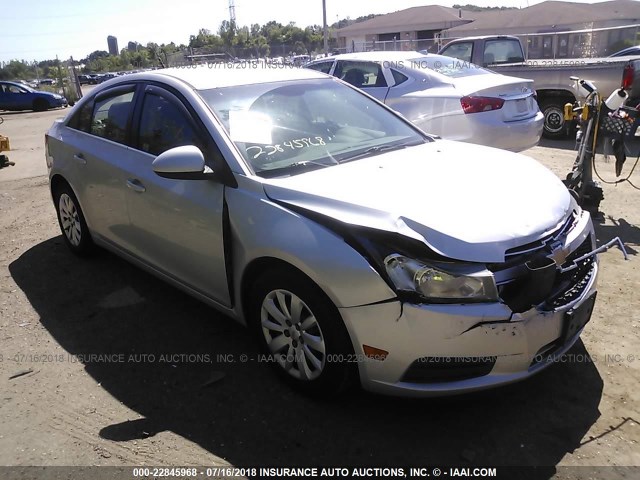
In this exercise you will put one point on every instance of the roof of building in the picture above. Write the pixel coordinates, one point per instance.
(428, 17)
(551, 15)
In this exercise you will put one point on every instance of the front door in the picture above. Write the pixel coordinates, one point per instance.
(176, 226)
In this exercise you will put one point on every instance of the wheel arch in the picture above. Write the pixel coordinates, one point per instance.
(58, 180)
(554, 93)
(40, 104)
(551, 103)
(258, 267)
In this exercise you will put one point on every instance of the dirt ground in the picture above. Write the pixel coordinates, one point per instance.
(102, 364)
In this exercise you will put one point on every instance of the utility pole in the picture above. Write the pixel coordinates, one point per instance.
(232, 11)
(324, 27)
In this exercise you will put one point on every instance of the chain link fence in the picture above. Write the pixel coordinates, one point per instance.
(587, 43)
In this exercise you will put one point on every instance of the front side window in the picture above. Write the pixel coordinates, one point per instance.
(110, 117)
(14, 89)
(163, 125)
(284, 128)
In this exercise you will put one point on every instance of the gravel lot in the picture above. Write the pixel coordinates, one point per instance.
(169, 393)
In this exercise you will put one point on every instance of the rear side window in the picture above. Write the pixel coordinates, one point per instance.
(502, 51)
(398, 77)
(81, 120)
(163, 125)
(110, 117)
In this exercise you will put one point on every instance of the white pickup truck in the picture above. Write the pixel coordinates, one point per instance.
(504, 54)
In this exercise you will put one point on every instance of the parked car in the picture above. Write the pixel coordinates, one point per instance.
(446, 97)
(504, 54)
(16, 96)
(30, 84)
(355, 246)
(84, 79)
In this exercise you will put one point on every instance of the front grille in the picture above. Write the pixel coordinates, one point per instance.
(529, 286)
(543, 242)
(569, 286)
(448, 369)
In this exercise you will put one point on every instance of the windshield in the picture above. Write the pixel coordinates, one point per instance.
(284, 128)
(448, 66)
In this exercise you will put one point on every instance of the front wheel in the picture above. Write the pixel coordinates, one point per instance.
(554, 123)
(40, 105)
(302, 332)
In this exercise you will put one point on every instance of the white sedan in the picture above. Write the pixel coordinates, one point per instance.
(446, 96)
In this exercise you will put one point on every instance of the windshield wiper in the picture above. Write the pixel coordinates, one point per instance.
(309, 165)
(375, 150)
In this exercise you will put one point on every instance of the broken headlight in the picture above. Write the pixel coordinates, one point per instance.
(439, 282)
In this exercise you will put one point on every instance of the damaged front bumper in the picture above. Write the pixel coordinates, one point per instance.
(444, 349)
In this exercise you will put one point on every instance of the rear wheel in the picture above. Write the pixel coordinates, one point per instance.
(72, 223)
(302, 332)
(554, 123)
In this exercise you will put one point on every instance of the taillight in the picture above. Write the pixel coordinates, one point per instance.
(627, 77)
(481, 104)
(47, 158)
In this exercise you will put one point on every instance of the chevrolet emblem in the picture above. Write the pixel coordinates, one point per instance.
(558, 253)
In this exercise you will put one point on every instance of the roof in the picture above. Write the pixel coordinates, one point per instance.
(429, 17)
(214, 75)
(552, 15)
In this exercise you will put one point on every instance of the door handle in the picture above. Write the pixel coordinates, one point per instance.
(80, 158)
(135, 185)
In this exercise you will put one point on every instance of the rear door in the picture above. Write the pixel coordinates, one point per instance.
(94, 148)
(176, 225)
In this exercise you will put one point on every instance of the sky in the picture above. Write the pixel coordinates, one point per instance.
(43, 29)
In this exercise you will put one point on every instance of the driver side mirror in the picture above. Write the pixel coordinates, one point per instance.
(182, 163)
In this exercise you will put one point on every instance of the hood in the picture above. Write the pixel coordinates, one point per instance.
(464, 201)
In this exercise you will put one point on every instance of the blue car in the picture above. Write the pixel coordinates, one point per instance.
(16, 96)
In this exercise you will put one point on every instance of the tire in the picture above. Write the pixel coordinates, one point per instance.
(40, 105)
(72, 223)
(302, 332)
(554, 123)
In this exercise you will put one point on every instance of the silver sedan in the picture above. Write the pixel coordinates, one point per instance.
(356, 247)
(446, 96)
